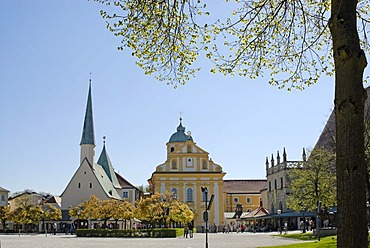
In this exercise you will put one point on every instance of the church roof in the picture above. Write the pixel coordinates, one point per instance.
(105, 162)
(105, 182)
(124, 183)
(180, 135)
(88, 136)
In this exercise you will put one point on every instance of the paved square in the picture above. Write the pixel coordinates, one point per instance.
(220, 240)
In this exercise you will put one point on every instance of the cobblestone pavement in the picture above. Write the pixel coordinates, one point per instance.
(220, 240)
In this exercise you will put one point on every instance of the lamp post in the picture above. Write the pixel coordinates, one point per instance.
(78, 220)
(205, 214)
(279, 222)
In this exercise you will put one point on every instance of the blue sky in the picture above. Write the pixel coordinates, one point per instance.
(48, 50)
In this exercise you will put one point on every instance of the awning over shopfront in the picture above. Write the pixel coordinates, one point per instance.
(288, 214)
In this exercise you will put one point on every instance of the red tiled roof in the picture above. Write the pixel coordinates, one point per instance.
(244, 186)
(260, 211)
(124, 183)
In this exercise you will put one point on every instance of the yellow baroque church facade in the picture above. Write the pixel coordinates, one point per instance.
(187, 169)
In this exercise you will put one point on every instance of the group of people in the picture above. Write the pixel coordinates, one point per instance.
(188, 230)
(69, 228)
(308, 225)
(227, 228)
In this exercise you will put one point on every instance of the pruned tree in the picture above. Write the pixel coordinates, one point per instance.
(18, 216)
(295, 41)
(122, 210)
(180, 212)
(49, 213)
(4, 216)
(163, 208)
(28, 214)
(313, 181)
(150, 209)
(105, 211)
(91, 208)
(79, 212)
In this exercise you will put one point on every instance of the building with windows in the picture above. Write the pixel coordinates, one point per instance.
(245, 192)
(26, 198)
(278, 188)
(187, 169)
(4, 193)
(94, 178)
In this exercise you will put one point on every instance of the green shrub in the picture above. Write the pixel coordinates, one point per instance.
(180, 232)
(130, 233)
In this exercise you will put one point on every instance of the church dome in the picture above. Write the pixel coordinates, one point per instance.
(180, 135)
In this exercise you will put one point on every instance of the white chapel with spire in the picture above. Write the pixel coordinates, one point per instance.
(94, 178)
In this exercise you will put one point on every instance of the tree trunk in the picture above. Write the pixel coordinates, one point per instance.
(350, 96)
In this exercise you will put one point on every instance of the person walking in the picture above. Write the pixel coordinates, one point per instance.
(190, 227)
(186, 230)
(285, 227)
(55, 228)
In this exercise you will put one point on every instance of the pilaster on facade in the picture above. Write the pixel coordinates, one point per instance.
(193, 169)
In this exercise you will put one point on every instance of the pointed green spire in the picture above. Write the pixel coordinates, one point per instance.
(88, 136)
(105, 162)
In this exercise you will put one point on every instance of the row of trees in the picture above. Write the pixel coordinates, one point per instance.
(157, 209)
(27, 213)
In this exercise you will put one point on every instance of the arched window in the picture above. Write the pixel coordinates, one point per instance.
(189, 195)
(189, 162)
(172, 149)
(174, 192)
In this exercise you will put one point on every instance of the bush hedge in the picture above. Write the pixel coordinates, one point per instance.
(129, 233)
